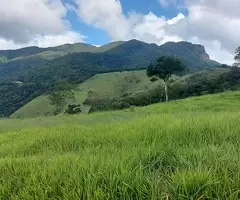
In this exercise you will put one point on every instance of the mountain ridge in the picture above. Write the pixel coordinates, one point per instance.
(122, 55)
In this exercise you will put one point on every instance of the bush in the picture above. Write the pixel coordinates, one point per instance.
(120, 105)
(153, 79)
(73, 109)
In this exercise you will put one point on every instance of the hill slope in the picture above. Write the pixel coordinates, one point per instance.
(136, 88)
(187, 149)
(49, 65)
(108, 85)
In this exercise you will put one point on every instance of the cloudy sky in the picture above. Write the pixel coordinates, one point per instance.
(213, 23)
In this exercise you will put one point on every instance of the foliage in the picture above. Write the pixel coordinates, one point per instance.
(153, 79)
(113, 85)
(14, 96)
(141, 98)
(237, 57)
(73, 109)
(62, 92)
(206, 82)
(196, 84)
(164, 67)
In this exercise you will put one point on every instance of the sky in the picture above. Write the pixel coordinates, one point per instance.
(212, 23)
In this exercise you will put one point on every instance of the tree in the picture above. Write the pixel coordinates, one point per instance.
(164, 67)
(237, 57)
(62, 92)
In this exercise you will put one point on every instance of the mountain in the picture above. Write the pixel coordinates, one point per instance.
(40, 68)
(128, 55)
(9, 55)
(15, 62)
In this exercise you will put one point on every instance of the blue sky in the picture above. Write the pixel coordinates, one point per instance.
(44, 23)
(98, 36)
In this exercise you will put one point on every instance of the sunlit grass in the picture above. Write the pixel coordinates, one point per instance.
(186, 149)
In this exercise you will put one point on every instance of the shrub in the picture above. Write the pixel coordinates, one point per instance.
(73, 109)
(153, 79)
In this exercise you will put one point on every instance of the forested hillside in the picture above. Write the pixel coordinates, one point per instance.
(39, 68)
(119, 90)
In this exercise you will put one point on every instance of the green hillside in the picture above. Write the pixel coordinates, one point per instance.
(103, 91)
(42, 67)
(104, 85)
(186, 149)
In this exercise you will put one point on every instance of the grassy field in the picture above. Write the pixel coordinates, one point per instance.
(110, 84)
(186, 149)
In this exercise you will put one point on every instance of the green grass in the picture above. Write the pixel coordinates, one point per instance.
(105, 85)
(186, 149)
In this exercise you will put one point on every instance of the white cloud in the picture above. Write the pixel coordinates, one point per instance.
(108, 15)
(105, 14)
(151, 28)
(212, 21)
(21, 20)
(216, 49)
(35, 22)
(216, 23)
(68, 37)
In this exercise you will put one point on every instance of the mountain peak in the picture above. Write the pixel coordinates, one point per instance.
(197, 49)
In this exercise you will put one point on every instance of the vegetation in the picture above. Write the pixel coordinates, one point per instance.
(206, 82)
(237, 58)
(73, 109)
(196, 84)
(184, 149)
(101, 86)
(119, 90)
(164, 67)
(78, 62)
(14, 95)
(62, 92)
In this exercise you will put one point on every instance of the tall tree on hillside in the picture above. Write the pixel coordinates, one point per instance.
(164, 67)
(62, 92)
(237, 57)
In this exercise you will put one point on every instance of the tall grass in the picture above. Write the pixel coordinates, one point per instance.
(149, 156)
